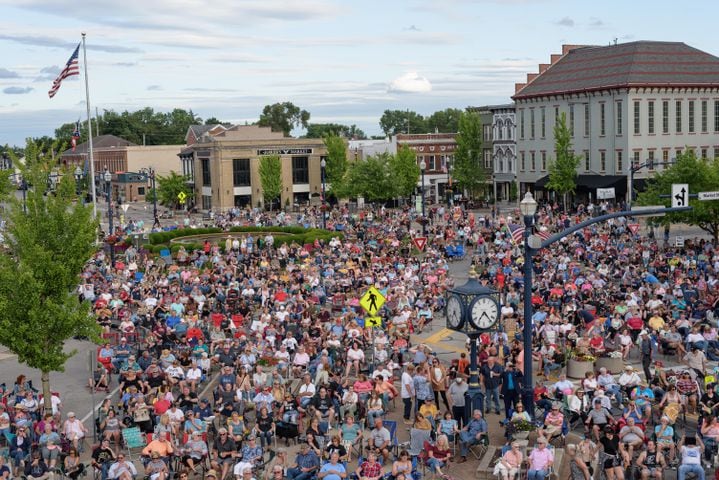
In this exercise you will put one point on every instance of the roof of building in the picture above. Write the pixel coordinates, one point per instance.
(98, 143)
(633, 64)
(199, 130)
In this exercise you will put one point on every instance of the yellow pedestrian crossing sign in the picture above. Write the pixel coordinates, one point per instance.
(375, 322)
(182, 196)
(372, 301)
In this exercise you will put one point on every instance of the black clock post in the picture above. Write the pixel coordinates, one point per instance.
(472, 309)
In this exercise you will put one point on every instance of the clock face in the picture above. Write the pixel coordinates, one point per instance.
(484, 313)
(454, 312)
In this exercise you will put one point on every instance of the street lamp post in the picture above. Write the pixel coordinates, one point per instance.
(108, 185)
(528, 207)
(635, 169)
(150, 172)
(423, 167)
(323, 165)
(448, 193)
(78, 179)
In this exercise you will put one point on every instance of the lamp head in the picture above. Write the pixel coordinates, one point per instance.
(528, 205)
(107, 176)
(423, 165)
(323, 163)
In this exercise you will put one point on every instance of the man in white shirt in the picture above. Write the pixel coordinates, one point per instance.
(307, 391)
(192, 377)
(407, 392)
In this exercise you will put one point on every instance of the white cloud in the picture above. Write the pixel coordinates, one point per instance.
(410, 82)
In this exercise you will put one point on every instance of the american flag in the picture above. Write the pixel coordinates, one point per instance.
(75, 135)
(71, 68)
(544, 234)
(517, 232)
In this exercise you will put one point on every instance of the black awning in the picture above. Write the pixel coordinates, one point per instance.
(600, 181)
(541, 184)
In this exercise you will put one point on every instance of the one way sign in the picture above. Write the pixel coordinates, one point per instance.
(680, 194)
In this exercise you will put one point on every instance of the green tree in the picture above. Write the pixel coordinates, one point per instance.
(213, 121)
(48, 246)
(393, 122)
(563, 170)
(404, 171)
(702, 176)
(271, 178)
(467, 169)
(336, 161)
(369, 179)
(320, 130)
(169, 188)
(283, 117)
(444, 121)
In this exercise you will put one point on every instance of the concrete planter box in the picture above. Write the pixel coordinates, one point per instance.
(577, 369)
(613, 365)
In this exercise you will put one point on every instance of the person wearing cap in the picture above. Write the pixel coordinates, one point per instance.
(471, 434)
(74, 430)
(122, 469)
(552, 423)
(156, 468)
(628, 379)
(211, 474)
(643, 395)
(161, 445)
(540, 461)
(223, 452)
(121, 353)
(251, 453)
(307, 463)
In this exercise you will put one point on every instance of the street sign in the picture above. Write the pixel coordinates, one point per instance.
(679, 241)
(182, 197)
(372, 301)
(634, 227)
(420, 243)
(680, 194)
(708, 195)
(375, 322)
(649, 207)
(124, 207)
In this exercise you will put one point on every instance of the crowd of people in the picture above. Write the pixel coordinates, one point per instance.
(226, 355)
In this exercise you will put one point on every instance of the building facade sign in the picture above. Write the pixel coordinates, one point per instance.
(284, 151)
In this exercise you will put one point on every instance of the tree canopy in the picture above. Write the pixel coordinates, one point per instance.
(336, 162)
(702, 176)
(468, 170)
(444, 121)
(404, 171)
(563, 169)
(320, 130)
(169, 187)
(154, 128)
(48, 243)
(283, 117)
(402, 121)
(271, 178)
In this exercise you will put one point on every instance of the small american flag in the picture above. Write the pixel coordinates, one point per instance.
(75, 135)
(71, 68)
(517, 232)
(544, 234)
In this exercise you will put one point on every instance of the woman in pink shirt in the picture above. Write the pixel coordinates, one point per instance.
(540, 461)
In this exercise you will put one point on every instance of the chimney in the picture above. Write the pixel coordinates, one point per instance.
(555, 58)
(568, 48)
(543, 67)
(531, 76)
(518, 87)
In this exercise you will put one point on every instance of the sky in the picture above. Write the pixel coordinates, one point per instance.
(344, 61)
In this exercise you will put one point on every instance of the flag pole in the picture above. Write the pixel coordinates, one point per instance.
(89, 131)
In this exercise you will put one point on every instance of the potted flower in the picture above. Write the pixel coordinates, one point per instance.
(521, 429)
(579, 364)
(612, 361)
(267, 362)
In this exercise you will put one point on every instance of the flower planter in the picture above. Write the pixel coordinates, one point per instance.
(613, 365)
(520, 435)
(576, 369)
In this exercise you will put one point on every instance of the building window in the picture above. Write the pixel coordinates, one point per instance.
(241, 172)
(521, 124)
(665, 158)
(488, 159)
(716, 152)
(705, 114)
(207, 202)
(586, 119)
(523, 161)
(635, 162)
(487, 133)
(651, 159)
(556, 116)
(620, 161)
(602, 119)
(650, 117)
(602, 162)
(691, 116)
(716, 115)
(206, 177)
(637, 128)
(665, 116)
(544, 160)
(704, 153)
(531, 123)
(620, 127)
(587, 160)
(533, 161)
(300, 170)
(571, 120)
(678, 112)
(544, 122)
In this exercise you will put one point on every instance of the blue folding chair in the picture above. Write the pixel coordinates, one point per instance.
(450, 251)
